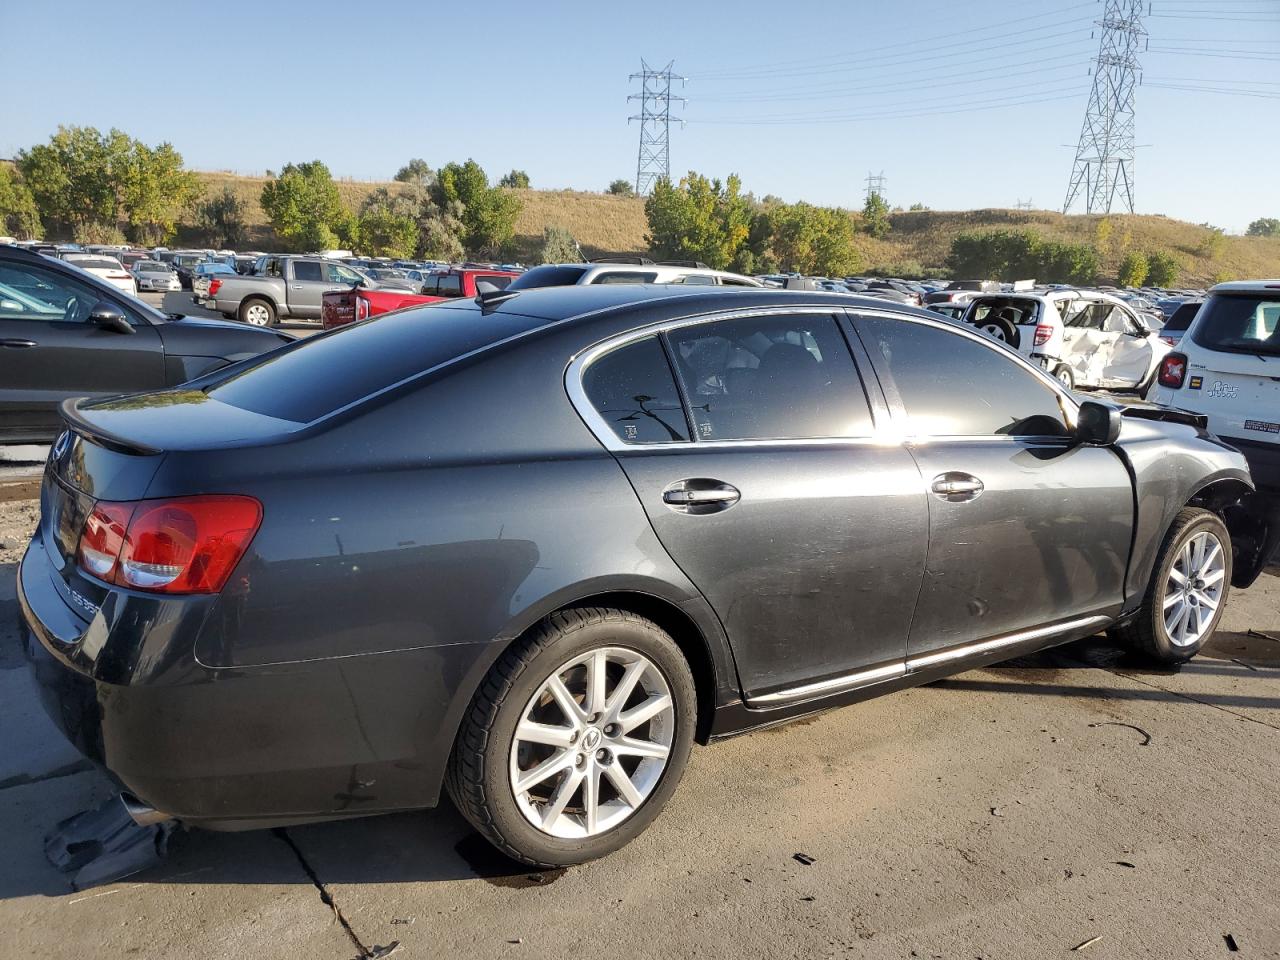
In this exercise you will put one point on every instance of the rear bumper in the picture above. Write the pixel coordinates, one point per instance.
(243, 747)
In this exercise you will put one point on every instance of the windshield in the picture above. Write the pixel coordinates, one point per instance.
(1240, 324)
(151, 266)
(95, 263)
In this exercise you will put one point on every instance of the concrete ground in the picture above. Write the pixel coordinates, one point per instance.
(1076, 797)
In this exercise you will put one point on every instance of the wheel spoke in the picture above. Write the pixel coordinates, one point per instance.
(1174, 597)
(1207, 602)
(1213, 576)
(1210, 555)
(1177, 576)
(596, 679)
(641, 748)
(531, 731)
(553, 763)
(1171, 624)
(591, 798)
(622, 783)
(626, 686)
(568, 706)
(560, 799)
(644, 712)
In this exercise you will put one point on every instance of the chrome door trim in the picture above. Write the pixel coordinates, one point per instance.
(865, 678)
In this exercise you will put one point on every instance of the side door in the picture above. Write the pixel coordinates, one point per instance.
(50, 350)
(306, 288)
(1133, 349)
(1086, 347)
(764, 479)
(1027, 527)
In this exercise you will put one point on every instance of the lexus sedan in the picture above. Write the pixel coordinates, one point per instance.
(529, 547)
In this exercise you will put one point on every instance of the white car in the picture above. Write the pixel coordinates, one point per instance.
(1227, 367)
(1084, 338)
(628, 270)
(104, 268)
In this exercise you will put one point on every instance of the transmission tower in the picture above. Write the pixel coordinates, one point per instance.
(654, 160)
(875, 184)
(1024, 204)
(1104, 157)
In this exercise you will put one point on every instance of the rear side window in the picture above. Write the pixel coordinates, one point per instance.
(1240, 324)
(633, 390)
(1181, 318)
(625, 277)
(952, 386)
(448, 285)
(307, 270)
(786, 377)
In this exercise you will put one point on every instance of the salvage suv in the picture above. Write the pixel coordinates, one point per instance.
(1082, 338)
(529, 548)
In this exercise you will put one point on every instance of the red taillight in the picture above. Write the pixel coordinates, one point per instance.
(213, 287)
(184, 545)
(363, 308)
(1043, 332)
(1173, 370)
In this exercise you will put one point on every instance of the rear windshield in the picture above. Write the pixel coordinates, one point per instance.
(100, 263)
(1240, 324)
(1181, 318)
(318, 376)
(549, 276)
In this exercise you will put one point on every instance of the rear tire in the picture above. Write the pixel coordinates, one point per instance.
(495, 748)
(1062, 373)
(1191, 581)
(257, 312)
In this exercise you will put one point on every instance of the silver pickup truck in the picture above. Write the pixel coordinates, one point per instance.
(281, 287)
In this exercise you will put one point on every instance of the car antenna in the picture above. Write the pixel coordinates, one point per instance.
(487, 295)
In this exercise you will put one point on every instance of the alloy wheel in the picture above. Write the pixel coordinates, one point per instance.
(994, 330)
(592, 743)
(1193, 589)
(257, 315)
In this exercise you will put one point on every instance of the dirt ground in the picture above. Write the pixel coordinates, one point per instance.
(1077, 802)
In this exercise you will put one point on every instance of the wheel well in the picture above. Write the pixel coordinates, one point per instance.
(259, 296)
(1251, 525)
(680, 627)
(1219, 495)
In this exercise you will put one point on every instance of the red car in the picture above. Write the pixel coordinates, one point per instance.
(340, 307)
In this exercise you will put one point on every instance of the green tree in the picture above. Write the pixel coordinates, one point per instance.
(916, 207)
(155, 189)
(621, 188)
(1162, 269)
(488, 214)
(1212, 243)
(304, 206)
(221, 217)
(875, 216)
(381, 232)
(515, 180)
(18, 214)
(1021, 255)
(698, 219)
(559, 246)
(1264, 227)
(809, 239)
(1133, 269)
(416, 172)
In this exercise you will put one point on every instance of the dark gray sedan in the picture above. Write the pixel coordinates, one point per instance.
(531, 549)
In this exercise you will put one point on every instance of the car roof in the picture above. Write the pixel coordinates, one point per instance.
(662, 269)
(1246, 286)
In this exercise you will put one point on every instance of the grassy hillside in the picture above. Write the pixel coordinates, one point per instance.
(918, 243)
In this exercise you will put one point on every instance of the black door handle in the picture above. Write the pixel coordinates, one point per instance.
(17, 344)
(700, 495)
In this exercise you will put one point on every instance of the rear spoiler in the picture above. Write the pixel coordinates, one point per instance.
(76, 420)
(1168, 415)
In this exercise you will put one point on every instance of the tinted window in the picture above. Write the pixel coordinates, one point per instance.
(498, 283)
(625, 277)
(1240, 324)
(449, 285)
(364, 359)
(632, 388)
(307, 270)
(548, 276)
(30, 292)
(767, 378)
(1181, 318)
(952, 386)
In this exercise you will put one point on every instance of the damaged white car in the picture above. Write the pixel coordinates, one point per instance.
(1083, 338)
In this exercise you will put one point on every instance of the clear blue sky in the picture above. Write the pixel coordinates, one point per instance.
(961, 104)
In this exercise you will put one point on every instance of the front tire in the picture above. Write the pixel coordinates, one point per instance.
(1188, 590)
(576, 738)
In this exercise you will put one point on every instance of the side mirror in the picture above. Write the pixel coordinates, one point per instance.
(106, 316)
(1098, 424)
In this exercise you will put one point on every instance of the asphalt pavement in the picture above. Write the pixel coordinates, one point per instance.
(1074, 797)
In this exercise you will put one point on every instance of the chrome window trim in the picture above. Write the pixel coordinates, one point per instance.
(865, 678)
(604, 433)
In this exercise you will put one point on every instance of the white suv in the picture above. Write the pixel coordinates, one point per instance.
(636, 270)
(1084, 338)
(1227, 367)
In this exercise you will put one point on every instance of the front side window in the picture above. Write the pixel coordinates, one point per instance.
(785, 377)
(953, 386)
(337, 273)
(30, 292)
(633, 390)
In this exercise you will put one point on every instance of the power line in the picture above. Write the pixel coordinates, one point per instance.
(1258, 94)
(1104, 156)
(971, 108)
(653, 162)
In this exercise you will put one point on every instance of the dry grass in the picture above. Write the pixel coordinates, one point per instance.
(607, 224)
